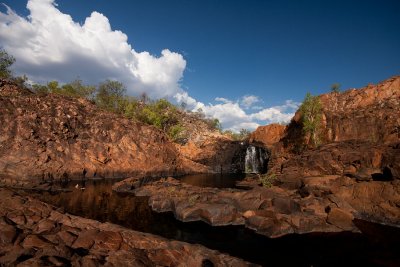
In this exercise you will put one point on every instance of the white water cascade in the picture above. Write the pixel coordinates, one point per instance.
(255, 160)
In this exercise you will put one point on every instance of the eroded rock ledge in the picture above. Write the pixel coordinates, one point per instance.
(33, 233)
(323, 204)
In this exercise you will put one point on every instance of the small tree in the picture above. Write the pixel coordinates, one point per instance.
(335, 88)
(109, 95)
(244, 133)
(76, 88)
(6, 61)
(311, 111)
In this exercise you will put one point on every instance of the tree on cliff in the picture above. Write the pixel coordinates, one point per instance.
(335, 88)
(311, 111)
(6, 61)
(110, 95)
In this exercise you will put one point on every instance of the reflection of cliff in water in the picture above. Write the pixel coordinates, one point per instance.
(378, 246)
(98, 202)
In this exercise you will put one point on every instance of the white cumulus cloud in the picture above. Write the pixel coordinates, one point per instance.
(234, 115)
(49, 44)
(248, 100)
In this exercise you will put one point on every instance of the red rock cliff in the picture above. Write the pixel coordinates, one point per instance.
(53, 136)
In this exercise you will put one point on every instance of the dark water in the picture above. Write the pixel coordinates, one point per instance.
(377, 246)
(212, 180)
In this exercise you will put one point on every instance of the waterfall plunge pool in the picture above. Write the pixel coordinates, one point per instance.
(377, 246)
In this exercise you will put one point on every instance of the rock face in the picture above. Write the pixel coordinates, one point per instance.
(369, 114)
(56, 137)
(35, 234)
(217, 152)
(359, 160)
(46, 137)
(360, 144)
(267, 136)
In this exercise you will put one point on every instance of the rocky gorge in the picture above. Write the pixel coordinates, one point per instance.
(353, 175)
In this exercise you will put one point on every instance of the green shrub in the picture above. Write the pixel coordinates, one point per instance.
(267, 180)
(177, 133)
(6, 62)
(110, 94)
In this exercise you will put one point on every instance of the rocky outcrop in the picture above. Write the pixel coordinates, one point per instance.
(369, 114)
(326, 203)
(321, 204)
(46, 137)
(217, 152)
(355, 124)
(268, 135)
(33, 233)
(360, 144)
(359, 160)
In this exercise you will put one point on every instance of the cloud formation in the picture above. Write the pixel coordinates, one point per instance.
(248, 101)
(235, 115)
(50, 45)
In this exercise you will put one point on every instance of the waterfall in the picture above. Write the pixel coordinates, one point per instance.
(255, 160)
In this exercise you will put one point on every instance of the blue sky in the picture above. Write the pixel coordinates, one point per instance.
(275, 51)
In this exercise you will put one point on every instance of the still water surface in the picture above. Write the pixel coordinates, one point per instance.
(377, 246)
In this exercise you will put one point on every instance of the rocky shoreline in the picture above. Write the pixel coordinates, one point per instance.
(33, 233)
(323, 204)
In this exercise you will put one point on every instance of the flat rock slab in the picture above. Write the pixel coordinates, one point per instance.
(33, 233)
(323, 204)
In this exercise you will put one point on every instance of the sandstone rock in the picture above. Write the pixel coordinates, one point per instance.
(268, 135)
(7, 233)
(51, 137)
(369, 114)
(341, 219)
(82, 242)
(269, 211)
(217, 153)
(34, 241)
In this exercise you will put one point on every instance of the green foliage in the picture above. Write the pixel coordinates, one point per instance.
(311, 111)
(75, 88)
(177, 133)
(53, 87)
(40, 89)
(335, 88)
(160, 113)
(110, 95)
(6, 62)
(130, 106)
(267, 180)
(193, 199)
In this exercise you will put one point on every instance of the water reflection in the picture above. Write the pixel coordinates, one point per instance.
(222, 180)
(378, 247)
